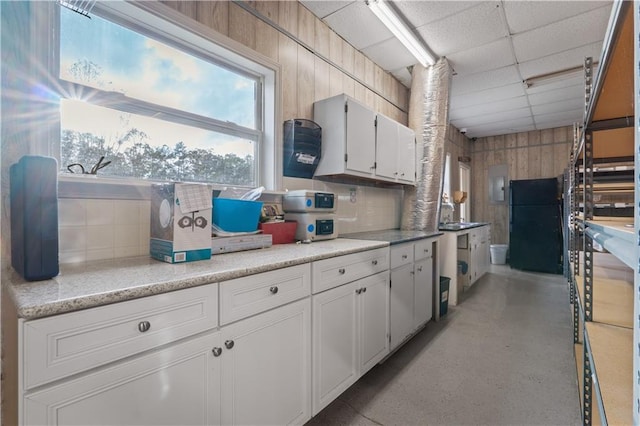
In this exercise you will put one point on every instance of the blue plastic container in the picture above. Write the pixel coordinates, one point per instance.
(236, 215)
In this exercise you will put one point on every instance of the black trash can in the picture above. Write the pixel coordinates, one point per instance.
(444, 295)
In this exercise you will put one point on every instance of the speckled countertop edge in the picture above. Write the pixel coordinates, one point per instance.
(464, 228)
(91, 284)
(393, 236)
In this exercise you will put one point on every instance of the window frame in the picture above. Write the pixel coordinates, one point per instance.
(166, 24)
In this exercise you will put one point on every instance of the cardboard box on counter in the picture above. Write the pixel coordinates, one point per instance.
(180, 222)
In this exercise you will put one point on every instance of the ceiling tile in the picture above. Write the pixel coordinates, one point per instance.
(496, 131)
(560, 94)
(562, 106)
(507, 126)
(562, 35)
(526, 15)
(496, 54)
(560, 61)
(468, 83)
(358, 25)
(403, 75)
(323, 8)
(496, 117)
(470, 28)
(419, 13)
(490, 95)
(489, 108)
(566, 117)
(390, 54)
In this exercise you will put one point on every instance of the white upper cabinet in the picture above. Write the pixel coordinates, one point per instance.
(358, 142)
(406, 155)
(395, 151)
(386, 147)
(348, 137)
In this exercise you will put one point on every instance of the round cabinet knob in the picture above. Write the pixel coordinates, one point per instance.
(273, 289)
(364, 289)
(228, 344)
(374, 262)
(144, 326)
(404, 256)
(419, 268)
(358, 290)
(341, 271)
(216, 351)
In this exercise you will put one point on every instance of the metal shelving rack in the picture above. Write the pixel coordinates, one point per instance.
(606, 319)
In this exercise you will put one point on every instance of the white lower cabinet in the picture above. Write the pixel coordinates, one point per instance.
(423, 292)
(266, 367)
(179, 384)
(350, 335)
(411, 304)
(401, 305)
(255, 371)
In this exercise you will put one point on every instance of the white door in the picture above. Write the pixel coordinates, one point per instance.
(386, 147)
(423, 293)
(401, 304)
(406, 154)
(335, 343)
(266, 364)
(374, 319)
(361, 138)
(179, 384)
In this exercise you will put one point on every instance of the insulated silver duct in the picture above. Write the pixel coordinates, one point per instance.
(429, 118)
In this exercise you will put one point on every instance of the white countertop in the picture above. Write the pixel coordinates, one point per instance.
(86, 285)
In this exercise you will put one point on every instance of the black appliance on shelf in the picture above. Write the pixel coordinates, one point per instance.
(301, 148)
(535, 233)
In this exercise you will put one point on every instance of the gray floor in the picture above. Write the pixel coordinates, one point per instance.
(504, 355)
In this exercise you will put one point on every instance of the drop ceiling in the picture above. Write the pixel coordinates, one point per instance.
(493, 47)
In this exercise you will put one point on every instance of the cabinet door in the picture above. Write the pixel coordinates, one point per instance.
(266, 367)
(179, 384)
(361, 138)
(335, 343)
(423, 293)
(406, 155)
(386, 148)
(374, 319)
(401, 304)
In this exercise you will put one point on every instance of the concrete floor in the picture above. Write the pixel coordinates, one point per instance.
(503, 356)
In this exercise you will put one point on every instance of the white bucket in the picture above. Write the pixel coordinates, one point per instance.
(498, 253)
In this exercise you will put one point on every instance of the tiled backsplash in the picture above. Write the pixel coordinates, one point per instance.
(92, 229)
(102, 229)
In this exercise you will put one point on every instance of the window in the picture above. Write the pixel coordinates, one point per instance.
(159, 101)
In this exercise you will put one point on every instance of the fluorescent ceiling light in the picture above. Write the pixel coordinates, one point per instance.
(557, 76)
(399, 29)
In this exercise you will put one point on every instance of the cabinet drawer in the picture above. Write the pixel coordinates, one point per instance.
(330, 273)
(66, 344)
(423, 249)
(401, 254)
(243, 297)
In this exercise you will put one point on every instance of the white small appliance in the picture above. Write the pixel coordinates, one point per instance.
(314, 212)
(314, 226)
(305, 200)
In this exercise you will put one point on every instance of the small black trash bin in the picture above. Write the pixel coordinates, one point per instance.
(444, 295)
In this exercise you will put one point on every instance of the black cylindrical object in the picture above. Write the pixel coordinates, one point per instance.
(34, 217)
(301, 148)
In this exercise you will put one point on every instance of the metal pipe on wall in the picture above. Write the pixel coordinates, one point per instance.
(429, 119)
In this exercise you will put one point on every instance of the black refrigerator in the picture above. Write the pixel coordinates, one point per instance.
(535, 233)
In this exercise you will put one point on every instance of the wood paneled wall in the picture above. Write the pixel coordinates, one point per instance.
(457, 145)
(528, 155)
(306, 77)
